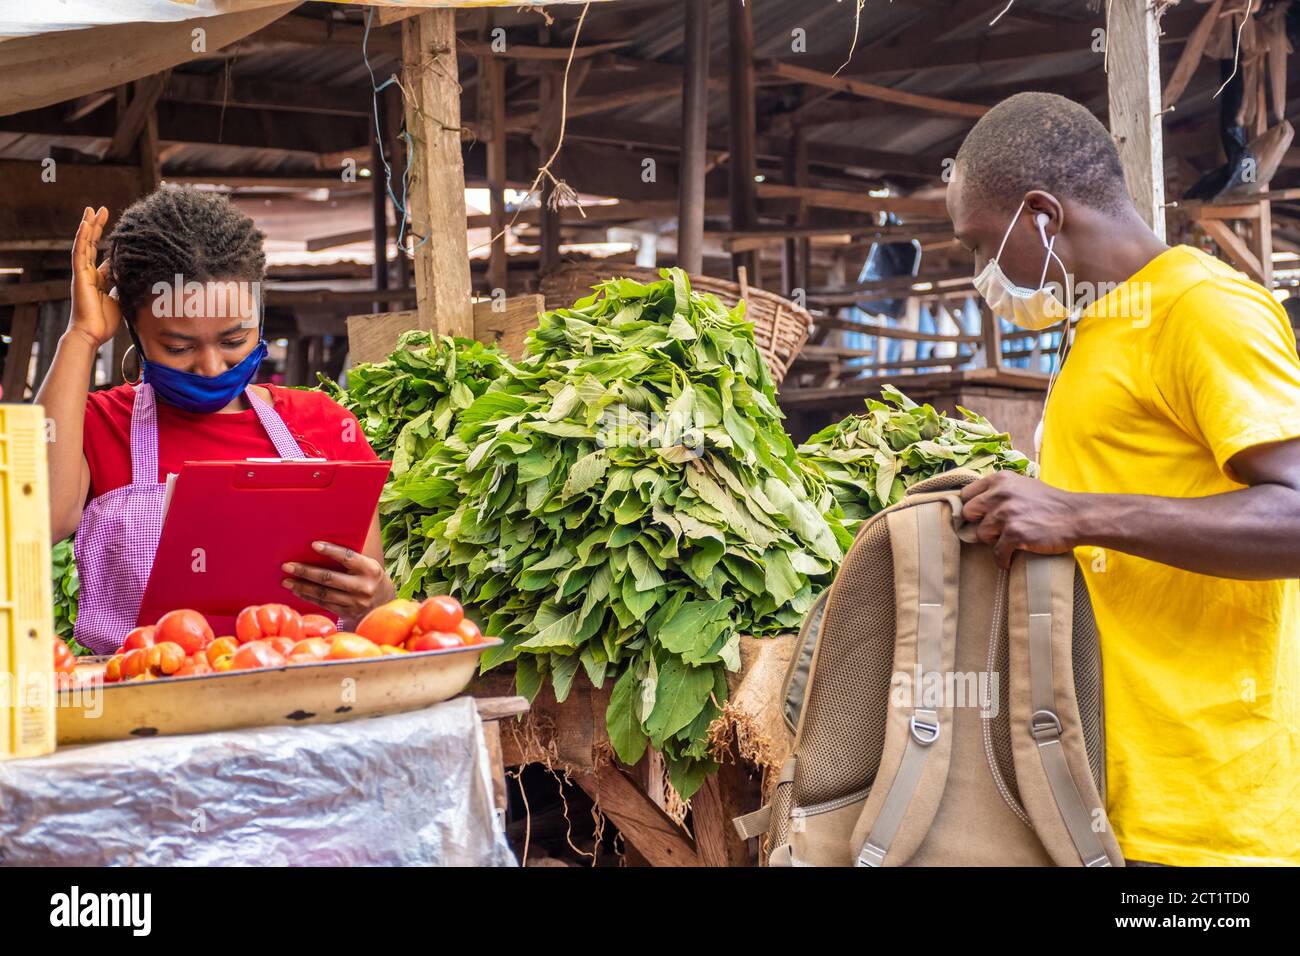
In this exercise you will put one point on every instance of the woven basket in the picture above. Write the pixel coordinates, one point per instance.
(780, 327)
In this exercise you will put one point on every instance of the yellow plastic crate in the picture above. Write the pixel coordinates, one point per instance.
(26, 598)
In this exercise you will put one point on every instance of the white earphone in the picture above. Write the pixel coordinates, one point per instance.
(1041, 221)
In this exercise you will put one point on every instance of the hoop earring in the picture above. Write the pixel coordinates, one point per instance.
(139, 374)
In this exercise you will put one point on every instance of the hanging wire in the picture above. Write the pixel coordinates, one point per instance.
(375, 90)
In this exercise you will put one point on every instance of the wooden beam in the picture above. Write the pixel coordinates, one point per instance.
(219, 89)
(1190, 58)
(607, 212)
(1133, 45)
(772, 235)
(1235, 248)
(521, 51)
(854, 201)
(602, 103)
(990, 48)
(655, 835)
(22, 293)
(775, 69)
(338, 299)
(437, 188)
(311, 31)
(888, 332)
(857, 389)
(129, 126)
(831, 353)
(695, 133)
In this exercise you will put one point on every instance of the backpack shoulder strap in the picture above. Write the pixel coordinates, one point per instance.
(794, 689)
(914, 766)
(1051, 762)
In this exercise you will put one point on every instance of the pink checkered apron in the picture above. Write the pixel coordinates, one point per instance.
(119, 531)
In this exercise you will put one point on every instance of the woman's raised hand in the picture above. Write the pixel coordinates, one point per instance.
(94, 307)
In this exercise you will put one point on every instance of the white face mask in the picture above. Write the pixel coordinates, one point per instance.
(1030, 309)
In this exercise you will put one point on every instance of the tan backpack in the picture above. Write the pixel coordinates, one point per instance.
(946, 712)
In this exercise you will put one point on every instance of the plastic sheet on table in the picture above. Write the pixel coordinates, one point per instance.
(407, 789)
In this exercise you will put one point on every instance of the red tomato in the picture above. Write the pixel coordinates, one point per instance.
(140, 637)
(256, 654)
(113, 669)
(317, 648)
(65, 662)
(390, 623)
(441, 613)
(223, 663)
(166, 658)
(220, 648)
(195, 666)
(187, 628)
(350, 646)
(267, 620)
(282, 645)
(135, 662)
(435, 641)
(469, 632)
(317, 625)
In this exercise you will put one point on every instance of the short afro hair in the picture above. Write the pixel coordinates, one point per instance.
(198, 235)
(1042, 141)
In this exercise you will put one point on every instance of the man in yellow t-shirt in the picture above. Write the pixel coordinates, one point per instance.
(1170, 454)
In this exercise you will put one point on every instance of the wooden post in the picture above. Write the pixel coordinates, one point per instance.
(741, 87)
(549, 89)
(379, 200)
(137, 128)
(396, 146)
(991, 335)
(797, 250)
(695, 132)
(492, 121)
(437, 190)
(18, 358)
(1262, 244)
(1133, 62)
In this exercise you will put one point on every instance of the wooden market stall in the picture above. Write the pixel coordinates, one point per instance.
(755, 145)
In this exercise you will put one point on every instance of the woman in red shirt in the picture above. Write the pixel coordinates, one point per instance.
(184, 269)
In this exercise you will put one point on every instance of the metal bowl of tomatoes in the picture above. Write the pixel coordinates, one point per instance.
(177, 678)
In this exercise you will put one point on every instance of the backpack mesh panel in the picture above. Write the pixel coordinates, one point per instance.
(848, 696)
(1000, 725)
(1085, 655)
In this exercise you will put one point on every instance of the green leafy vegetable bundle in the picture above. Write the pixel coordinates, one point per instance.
(869, 461)
(67, 587)
(415, 393)
(623, 500)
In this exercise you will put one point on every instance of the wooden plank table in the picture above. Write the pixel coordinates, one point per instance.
(572, 737)
(491, 711)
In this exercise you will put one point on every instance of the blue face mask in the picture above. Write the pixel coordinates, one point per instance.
(199, 393)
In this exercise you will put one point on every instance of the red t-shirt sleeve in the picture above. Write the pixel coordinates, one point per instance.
(322, 427)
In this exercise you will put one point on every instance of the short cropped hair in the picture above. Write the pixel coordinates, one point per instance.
(1041, 141)
(199, 235)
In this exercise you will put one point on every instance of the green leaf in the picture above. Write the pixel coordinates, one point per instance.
(625, 733)
(679, 695)
(586, 472)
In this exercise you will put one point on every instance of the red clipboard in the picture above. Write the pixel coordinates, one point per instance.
(231, 524)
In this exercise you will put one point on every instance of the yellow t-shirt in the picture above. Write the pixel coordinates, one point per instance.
(1168, 378)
